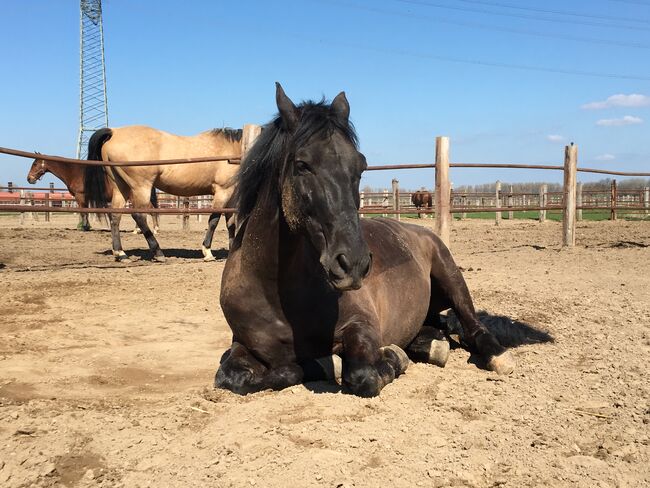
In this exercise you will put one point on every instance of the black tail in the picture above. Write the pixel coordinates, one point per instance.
(154, 197)
(95, 176)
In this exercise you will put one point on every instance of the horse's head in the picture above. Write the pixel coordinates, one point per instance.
(36, 172)
(319, 186)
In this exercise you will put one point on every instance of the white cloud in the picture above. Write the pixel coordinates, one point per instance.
(620, 100)
(627, 120)
(555, 138)
(606, 157)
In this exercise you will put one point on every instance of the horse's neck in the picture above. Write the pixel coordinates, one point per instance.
(70, 174)
(267, 244)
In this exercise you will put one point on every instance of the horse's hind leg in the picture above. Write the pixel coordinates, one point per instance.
(213, 221)
(141, 200)
(240, 372)
(448, 282)
(430, 346)
(368, 367)
(118, 201)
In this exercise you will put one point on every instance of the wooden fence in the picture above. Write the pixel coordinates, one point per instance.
(571, 201)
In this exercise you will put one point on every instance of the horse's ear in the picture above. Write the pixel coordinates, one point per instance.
(288, 110)
(340, 107)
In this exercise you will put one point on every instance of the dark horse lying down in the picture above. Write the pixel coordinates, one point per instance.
(306, 278)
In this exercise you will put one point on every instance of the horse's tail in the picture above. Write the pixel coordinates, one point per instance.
(95, 176)
(154, 197)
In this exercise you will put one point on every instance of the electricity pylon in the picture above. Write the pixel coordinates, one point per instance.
(93, 106)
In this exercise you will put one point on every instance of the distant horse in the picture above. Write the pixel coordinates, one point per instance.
(140, 143)
(298, 285)
(422, 198)
(72, 176)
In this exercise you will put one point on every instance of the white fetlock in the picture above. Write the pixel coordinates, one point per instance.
(439, 352)
(207, 254)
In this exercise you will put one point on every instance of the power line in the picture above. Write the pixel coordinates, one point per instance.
(555, 12)
(393, 13)
(476, 62)
(633, 2)
(522, 16)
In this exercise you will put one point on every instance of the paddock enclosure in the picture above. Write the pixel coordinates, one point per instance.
(106, 371)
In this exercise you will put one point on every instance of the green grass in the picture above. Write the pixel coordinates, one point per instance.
(590, 215)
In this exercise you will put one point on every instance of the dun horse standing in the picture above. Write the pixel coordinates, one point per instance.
(73, 176)
(306, 278)
(140, 143)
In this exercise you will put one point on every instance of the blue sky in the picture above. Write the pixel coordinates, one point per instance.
(501, 82)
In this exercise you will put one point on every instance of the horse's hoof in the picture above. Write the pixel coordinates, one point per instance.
(207, 254)
(159, 258)
(439, 353)
(402, 358)
(502, 364)
(331, 367)
(120, 256)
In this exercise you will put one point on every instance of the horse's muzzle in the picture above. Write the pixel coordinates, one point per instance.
(347, 274)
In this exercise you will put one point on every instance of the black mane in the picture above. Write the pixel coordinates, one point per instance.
(233, 135)
(265, 160)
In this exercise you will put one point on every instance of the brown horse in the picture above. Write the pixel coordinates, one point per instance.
(422, 198)
(140, 143)
(73, 177)
(298, 284)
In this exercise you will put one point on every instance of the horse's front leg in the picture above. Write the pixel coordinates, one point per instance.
(241, 373)
(368, 367)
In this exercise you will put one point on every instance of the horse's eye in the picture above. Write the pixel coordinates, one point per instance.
(302, 167)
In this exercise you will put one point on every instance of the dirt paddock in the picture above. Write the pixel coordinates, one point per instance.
(106, 372)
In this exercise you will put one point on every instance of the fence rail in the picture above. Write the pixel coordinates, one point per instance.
(571, 200)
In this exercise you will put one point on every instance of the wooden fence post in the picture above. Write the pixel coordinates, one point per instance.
(511, 214)
(613, 197)
(543, 200)
(646, 199)
(443, 190)
(249, 134)
(395, 187)
(47, 204)
(362, 201)
(463, 203)
(498, 203)
(22, 202)
(579, 202)
(186, 217)
(569, 217)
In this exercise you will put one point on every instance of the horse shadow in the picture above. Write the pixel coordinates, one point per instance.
(145, 254)
(509, 332)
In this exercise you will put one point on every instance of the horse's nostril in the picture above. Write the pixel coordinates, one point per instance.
(343, 262)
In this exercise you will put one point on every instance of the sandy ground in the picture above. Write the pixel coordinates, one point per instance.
(106, 372)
